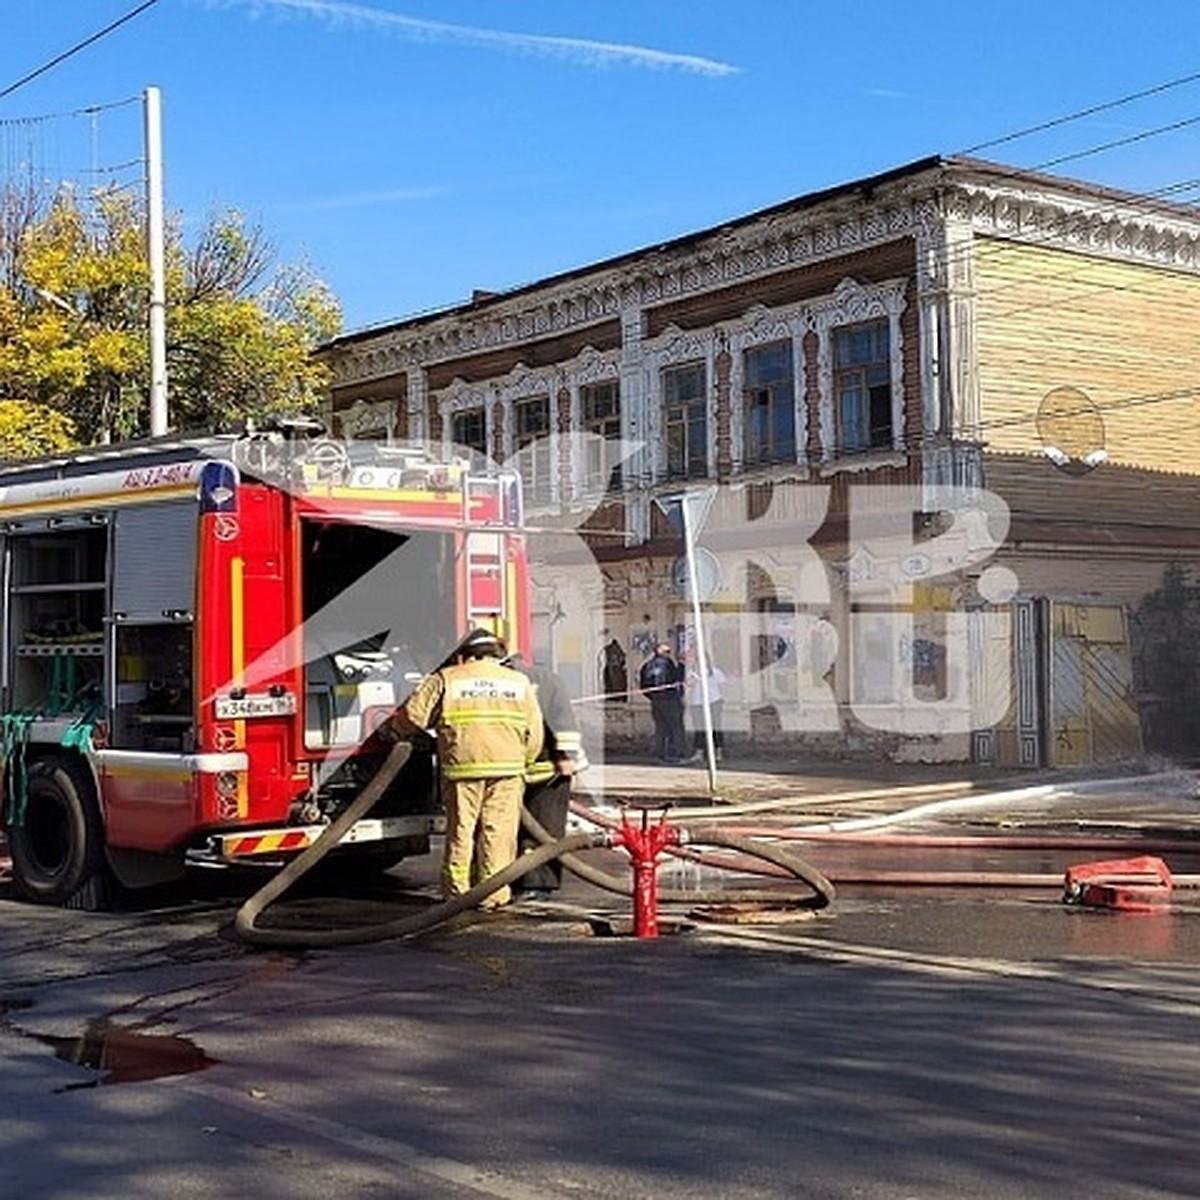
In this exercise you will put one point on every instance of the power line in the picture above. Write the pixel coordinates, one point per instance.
(95, 37)
(1125, 141)
(90, 110)
(1055, 122)
(1048, 235)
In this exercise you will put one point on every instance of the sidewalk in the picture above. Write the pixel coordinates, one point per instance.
(1153, 799)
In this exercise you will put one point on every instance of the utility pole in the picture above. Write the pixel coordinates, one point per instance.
(158, 282)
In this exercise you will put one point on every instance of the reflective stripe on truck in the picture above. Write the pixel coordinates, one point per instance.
(264, 843)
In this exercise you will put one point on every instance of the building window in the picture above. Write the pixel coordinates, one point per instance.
(600, 408)
(532, 444)
(770, 404)
(862, 387)
(685, 414)
(469, 428)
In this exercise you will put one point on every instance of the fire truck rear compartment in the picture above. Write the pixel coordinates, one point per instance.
(378, 612)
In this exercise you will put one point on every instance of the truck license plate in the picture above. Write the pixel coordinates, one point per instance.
(235, 708)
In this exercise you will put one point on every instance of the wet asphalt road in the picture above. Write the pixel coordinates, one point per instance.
(905, 1043)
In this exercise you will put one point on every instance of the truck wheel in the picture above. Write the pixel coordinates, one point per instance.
(58, 849)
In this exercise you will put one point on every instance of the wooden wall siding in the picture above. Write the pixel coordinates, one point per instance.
(1116, 577)
(494, 363)
(894, 260)
(1048, 318)
(392, 387)
(842, 484)
(1138, 506)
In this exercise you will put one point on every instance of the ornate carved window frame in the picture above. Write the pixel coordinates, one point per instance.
(760, 327)
(593, 367)
(542, 488)
(520, 384)
(676, 347)
(370, 419)
(460, 397)
(851, 303)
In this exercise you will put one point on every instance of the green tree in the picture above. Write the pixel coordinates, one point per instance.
(1166, 648)
(74, 303)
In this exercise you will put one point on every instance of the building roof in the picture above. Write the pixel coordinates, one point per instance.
(924, 173)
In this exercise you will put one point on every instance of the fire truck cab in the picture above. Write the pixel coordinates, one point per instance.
(198, 636)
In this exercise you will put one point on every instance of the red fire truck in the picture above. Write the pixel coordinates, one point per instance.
(199, 634)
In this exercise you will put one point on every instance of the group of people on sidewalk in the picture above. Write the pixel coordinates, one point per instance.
(669, 685)
(506, 736)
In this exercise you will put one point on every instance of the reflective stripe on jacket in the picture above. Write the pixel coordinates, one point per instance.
(486, 716)
(562, 739)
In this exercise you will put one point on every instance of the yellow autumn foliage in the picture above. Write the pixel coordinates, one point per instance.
(74, 320)
(27, 430)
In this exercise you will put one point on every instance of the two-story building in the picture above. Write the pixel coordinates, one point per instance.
(938, 432)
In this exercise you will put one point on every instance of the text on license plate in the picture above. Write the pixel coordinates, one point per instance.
(233, 708)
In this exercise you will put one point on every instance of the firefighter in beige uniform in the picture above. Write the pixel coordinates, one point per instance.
(489, 729)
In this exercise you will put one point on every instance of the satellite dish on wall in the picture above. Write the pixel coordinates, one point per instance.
(1071, 429)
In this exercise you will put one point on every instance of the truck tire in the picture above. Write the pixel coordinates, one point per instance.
(58, 848)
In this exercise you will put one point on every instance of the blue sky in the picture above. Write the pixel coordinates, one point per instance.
(409, 151)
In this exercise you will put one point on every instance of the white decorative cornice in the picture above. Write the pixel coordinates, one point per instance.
(1097, 224)
(852, 302)
(460, 395)
(675, 345)
(593, 366)
(366, 418)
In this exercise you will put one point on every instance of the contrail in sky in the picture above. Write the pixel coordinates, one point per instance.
(364, 199)
(580, 50)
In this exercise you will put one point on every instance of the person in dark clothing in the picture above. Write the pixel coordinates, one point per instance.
(549, 778)
(661, 682)
(616, 681)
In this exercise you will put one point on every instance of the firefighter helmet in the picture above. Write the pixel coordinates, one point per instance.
(481, 643)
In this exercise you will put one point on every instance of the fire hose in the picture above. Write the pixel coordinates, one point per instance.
(246, 925)
(785, 860)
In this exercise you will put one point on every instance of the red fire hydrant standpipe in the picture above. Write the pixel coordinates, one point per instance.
(645, 840)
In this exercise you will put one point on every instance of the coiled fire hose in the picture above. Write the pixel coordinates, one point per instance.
(753, 848)
(246, 921)
(246, 926)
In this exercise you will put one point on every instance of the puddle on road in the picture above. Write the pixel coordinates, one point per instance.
(119, 1054)
(125, 1055)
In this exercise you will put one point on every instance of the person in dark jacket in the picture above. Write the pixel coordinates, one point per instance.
(549, 778)
(661, 682)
